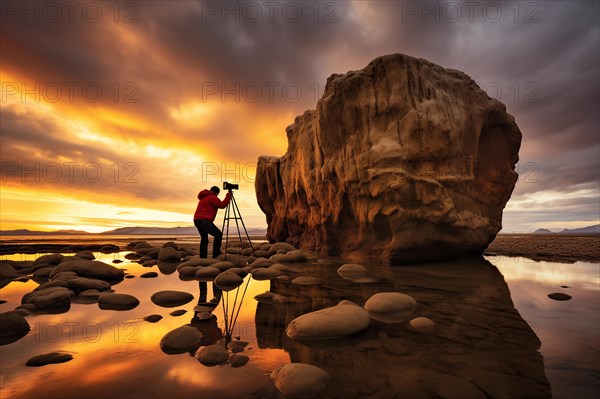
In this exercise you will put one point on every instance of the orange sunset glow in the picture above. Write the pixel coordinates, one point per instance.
(117, 115)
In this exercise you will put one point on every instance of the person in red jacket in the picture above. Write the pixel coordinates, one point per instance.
(205, 214)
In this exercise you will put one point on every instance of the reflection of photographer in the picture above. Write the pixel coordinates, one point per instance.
(206, 211)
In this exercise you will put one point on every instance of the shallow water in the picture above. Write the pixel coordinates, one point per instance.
(489, 315)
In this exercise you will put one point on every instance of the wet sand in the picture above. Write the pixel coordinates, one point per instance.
(561, 248)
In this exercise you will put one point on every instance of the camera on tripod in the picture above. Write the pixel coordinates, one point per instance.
(230, 186)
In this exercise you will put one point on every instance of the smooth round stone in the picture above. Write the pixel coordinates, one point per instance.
(223, 265)
(333, 322)
(178, 312)
(265, 274)
(91, 269)
(50, 298)
(237, 346)
(116, 261)
(240, 271)
(422, 325)
(294, 256)
(149, 275)
(13, 327)
(129, 276)
(278, 258)
(353, 272)
(281, 246)
(188, 271)
(281, 267)
(390, 307)
(8, 272)
(307, 280)
(110, 301)
(43, 272)
(207, 273)
(87, 255)
(238, 360)
(169, 254)
(171, 299)
(53, 259)
(92, 295)
(228, 281)
(169, 244)
(261, 262)
(559, 296)
(213, 355)
(153, 318)
(271, 298)
(297, 380)
(180, 340)
(49, 358)
(50, 284)
(80, 284)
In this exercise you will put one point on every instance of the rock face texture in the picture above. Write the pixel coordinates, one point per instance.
(403, 161)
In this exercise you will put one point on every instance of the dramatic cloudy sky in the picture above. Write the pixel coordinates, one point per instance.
(116, 114)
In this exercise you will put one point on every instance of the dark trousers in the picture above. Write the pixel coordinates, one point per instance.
(206, 227)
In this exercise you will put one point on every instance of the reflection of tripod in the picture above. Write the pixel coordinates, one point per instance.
(233, 212)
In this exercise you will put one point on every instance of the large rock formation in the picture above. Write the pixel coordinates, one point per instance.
(402, 161)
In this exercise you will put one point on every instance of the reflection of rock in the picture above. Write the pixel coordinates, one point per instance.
(297, 380)
(49, 358)
(13, 327)
(401, 161)
(480, 345)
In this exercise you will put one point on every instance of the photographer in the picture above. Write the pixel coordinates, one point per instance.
(206, 211)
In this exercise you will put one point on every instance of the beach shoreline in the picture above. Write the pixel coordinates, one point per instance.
(554, 247)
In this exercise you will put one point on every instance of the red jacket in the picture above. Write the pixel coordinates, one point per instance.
(209, 204)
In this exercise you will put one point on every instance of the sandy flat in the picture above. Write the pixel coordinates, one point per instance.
(566, 248)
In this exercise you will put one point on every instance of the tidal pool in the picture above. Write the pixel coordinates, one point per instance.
(497, 335)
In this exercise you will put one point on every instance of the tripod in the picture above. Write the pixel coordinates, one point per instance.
(232, 212)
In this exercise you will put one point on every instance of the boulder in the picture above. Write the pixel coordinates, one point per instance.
(110, 301)
(13, 327)
(80, 284)
(91, 269)
(180, 340)
(87, 255)
(169, 254)
(390, 307)
(266, 274)
(7, 271)
(207, 273)
(341, 320)
(53, 259)
(52, 298)
(297, 380)
(228, 281)
(423, 325)
(171, 299)
(237, 360)
(403, 161)
(213, 355)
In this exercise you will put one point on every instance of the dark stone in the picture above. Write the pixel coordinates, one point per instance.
(49, 358)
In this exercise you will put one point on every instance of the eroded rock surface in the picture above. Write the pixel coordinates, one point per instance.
(403, 161)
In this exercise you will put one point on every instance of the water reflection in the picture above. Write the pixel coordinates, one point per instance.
(481, 347)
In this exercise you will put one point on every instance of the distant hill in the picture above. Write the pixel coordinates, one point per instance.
(189, 231)
(25, 232)
(595, 229)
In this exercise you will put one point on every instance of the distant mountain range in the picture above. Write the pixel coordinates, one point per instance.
(188, 231)
(595, 229)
